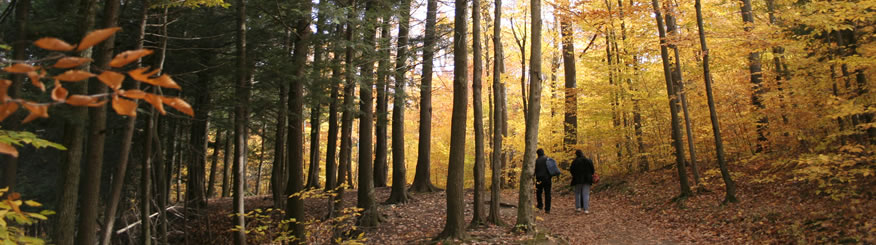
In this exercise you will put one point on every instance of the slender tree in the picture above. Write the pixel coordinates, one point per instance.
(677, 142)
(242, 93)
(525, 220)
(713, 113)
(678, 82)
(422, 177)
(453, 227)
(496, 163)
(399, 192)
(90, 186)
(317, 89)
(478, 216)
(380, 128)
(278, 168)
(570, 125)
(226, 164)
(331, 150)
(365, 194)
(348, 109)
(214, 164)
(19, 52)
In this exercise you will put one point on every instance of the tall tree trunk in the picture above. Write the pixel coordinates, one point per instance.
(226, 163)
(678, 82)
(713, 113)
(399, 193)
(316, 93)
(295, 165)
(521, 44)
(570, 126)
(677, 142)
(478, 215)
(347, 117)
(525, 219)
(496, 164)
(90, 186)
(195, 194)
(370, 216)
(214, 163)
(332, 138)
(313, 169)
(161, 185)
(241, 114)
(258, 182)
(422, 177)
(453, 227)
(74, 137)
(278, 168)
(124, 152)
(380, 128)
(754, 68)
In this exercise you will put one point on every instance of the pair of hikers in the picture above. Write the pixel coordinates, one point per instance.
(582, 171)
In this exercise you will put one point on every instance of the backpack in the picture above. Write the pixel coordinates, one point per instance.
(552, 168)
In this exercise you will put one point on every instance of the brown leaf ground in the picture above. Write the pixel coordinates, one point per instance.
(634, 209)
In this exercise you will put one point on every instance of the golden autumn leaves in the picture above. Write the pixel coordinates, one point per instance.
(112, 79)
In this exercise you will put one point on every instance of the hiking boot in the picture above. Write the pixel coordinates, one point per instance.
(586, 211)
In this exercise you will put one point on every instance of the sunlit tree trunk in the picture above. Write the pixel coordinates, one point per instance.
(214, 163)
(241, 92)
(677, 141)
(525, 219)
(453, 227)
(754, 68)
(570, 126)
(399, 192)
(496, 164)
(317, 96)
(713, 113)
(422, 178)
(678, 82)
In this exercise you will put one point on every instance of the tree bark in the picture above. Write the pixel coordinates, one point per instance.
(399, 193)
(316, 95)
(678, 82)
(74, 137)
(525, 219)
(380, 154)
(496, 165)
(754, 68)
(370, 216)
(241, 114)
(90, 186)
(331, 165)
(677, 142)
(278, 168)
(19, 52)
(302, 42)
(226, 163)
(478, 215)
(729, 185)
(196, 198)
(258, 182)
(422, 177)
(453, 227)
(570, 126)
(348, 108)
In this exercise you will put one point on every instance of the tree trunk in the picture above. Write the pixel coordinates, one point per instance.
(316, 95)
(380, 153)
(678, 82)
(713, 113)
(226, 162)
(195, 193)
(570, 126)
(422, 177)
(399, 193)
(19, 52)
(295, 165)
(74, 137)
(211, 183)
(278, 168)
(370, 216)
(347, 116)
(525, 219)
(332, 147)
(90, 186)
(498, 124)
(478, 215)
(313, 169)
(453, 228)
(242, 93)
(677, 142)
(258, 182)
(161, 185)
(754, 68)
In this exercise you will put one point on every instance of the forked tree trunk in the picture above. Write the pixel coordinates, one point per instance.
(678, 81)
(453, 227)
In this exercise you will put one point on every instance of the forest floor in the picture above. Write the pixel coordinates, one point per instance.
(633, 209)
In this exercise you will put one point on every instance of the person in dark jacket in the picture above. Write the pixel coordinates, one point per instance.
(542, 182)
(582, 171)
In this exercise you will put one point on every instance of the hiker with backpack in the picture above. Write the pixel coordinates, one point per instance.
(545, 169)
(583, 177)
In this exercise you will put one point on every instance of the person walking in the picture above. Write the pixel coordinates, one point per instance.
(543, 182)
(582, 171)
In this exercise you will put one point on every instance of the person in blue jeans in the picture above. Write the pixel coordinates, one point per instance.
(582, 171)
(543, 182)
